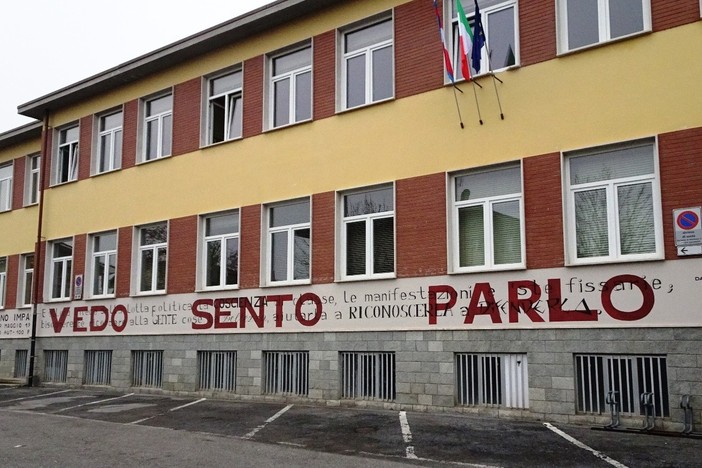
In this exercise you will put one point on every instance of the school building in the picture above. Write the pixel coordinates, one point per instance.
(300, 204)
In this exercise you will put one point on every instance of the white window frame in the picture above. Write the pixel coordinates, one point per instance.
(108, 257)
(6, 185)
(368, 53)
(154, 248)
(602, 23)
(233, 95)
(222, 240)
(3, 281)
(65, 263)
(114, 136)
(487, 203)
(72, 147)
(485, 63)
(32, 179)
(156, 117)
(611, 185)
(290, 76)
(290, 230)
(26, 281)
(368, 219)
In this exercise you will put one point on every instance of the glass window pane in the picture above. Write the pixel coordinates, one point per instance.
(582, 23)
(372, 201)
(281, 102)
(471, 236)
(636, 224)
(222, 224)
(235, 116)
(161, 272)
(98, 275)
(159, 105)
(105, 152)
(356, 248)
(301, 255)
(612, 163)
(279, 256)
(232, 261)
(500, 26)
(69, 135)
(151, 140)
(213, 268)
(625, 17)
(292, 61)
(117, 150)
(506, 232)
(217, 120)
(105, 242)
(57, 280)
(356, 81)
(111, 121)
(166, 135)
(111, 274)
(488, 184)
(225, 83)
(591, 230)
(67, 278)
(382, 73)
(383, 245)
(147, 265)
(368, 36)
(63, 249)
(303, 97)
(290, 213)
(153, 235)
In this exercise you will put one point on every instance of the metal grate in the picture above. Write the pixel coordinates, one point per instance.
(492, 379)
(286, 372)
(217, 370)
(97, 368)
(21, 363)
(368, 376)
(147, 368)
(630, 376)
(55, 365)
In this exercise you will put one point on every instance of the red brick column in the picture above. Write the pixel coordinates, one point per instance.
(250, 248)
(182, 257)
(323, 228)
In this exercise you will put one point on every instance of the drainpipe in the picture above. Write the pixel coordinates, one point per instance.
(36, 281)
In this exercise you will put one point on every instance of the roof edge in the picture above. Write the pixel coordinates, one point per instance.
(20, 134)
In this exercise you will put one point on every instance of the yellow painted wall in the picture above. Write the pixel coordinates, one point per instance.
(608, 94)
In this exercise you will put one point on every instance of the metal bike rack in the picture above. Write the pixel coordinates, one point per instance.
(612, 400)
(686, 405)
(649, 410)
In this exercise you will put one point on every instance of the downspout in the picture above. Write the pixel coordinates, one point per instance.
(38, 261)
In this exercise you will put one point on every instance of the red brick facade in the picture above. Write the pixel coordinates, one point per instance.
(253, 96)
(124, 262)
(18, 183)
(420, 226)
(537, 31)
(672, 13)
(80, 244)
(324, 64)
(323, 228)
(182, 247)
(85, 146)
(186, 116)
(130, 124)
(250, 247)
(11, 278)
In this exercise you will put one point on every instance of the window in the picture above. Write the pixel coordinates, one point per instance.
(487, 220)
(56, 366)
(500, 23)
(66, 163)
(221, 250)
(158, 127)
(288, 242)
(153, 249)
(26, 280)
(584, 23)
(61, 269)
(6, 186)
(291, 87)
(147, 369)
(224, 107)
(217, 370)
(492, 379)
(286, 372)
(368, 234)
(103, 269)
(367, 64)
(3, 281)
(20, 369)
(109, 154)
(97, 368)
(32, 179)
(613, 197)
(625, 378)
(368, 376)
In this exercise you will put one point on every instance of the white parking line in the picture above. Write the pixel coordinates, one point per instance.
(577, 443)
(138, 421)
(407, 435)
(36, 396)
(93, 402)
(269, 420)
(187, 404)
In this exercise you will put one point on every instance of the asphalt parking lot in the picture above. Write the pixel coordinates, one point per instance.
(96, 427)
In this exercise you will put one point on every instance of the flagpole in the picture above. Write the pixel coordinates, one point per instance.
(458, 108)
(477, 105)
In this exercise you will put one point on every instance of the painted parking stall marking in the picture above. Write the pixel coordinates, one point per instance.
(269, 420)
(97, 402)
(577, 443)
(407, 435)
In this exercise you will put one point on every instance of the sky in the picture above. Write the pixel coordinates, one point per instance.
(46, 45)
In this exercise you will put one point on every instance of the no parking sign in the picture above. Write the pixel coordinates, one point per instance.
(688, 229)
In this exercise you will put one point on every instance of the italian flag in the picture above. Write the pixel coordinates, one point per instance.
(465, 38)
